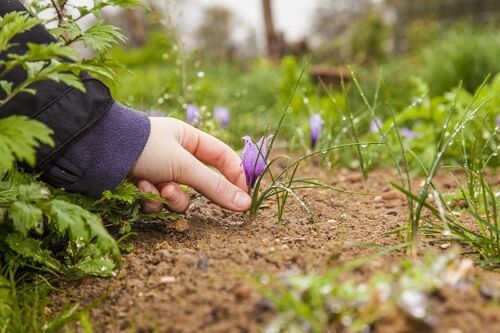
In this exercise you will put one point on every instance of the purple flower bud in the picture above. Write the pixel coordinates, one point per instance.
(253, 163)
(315, 128)
(375, 124)
(408, 133)
(221, 114)
(193, 115)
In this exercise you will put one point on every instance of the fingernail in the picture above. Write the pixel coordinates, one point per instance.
(242, 200)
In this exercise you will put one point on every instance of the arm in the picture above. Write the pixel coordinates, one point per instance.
(99, 142)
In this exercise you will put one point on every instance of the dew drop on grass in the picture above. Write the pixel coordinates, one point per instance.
(200, 74)
(364, 145)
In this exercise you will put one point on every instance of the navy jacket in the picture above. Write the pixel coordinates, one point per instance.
(97, 140)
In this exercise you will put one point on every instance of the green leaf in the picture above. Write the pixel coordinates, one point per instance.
(24, 216)
(31, 249)
(125, 192)
(14, 23)
(81, 226)
(19, 137)
(100, 37)
(32, 192)
(69, 29)
(127, 4)
(96, 266)
(6, 86)
(6, 303)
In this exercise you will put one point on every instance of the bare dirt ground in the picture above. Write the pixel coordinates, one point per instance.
(193, 281)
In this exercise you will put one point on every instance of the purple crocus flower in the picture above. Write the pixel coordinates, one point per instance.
(315, 128)
(193, 115)
(254, 163)
(375, 124)
(221, 114)
(408, 133)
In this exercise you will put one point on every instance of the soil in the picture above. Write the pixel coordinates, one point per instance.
(194, 280)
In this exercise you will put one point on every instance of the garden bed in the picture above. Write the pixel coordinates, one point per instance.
(198, 280)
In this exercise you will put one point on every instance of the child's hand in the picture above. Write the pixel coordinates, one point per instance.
(174, 154)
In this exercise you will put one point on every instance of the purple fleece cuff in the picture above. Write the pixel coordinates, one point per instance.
(103, 157)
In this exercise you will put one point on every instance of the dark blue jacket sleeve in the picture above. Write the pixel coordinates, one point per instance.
(97, 141)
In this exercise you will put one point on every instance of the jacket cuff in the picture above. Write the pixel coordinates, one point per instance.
(103, 157)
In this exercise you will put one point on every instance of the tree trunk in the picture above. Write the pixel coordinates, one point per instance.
(272, 47)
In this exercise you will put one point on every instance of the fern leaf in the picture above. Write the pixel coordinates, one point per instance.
(19, 137)
(81, 226)
(14, 23)
(31, 249)
(100, 37)
(125, 192)
(24, 216)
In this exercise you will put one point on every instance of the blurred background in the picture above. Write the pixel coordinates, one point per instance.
(247, 56)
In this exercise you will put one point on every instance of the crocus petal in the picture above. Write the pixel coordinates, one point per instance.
(375, 124)
(254, 163)
(315, 128)
(408, 133)
(192, 115)
(221, 114)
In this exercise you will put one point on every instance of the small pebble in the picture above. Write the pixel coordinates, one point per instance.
(202, 263)
(487, 291)
(167, 279)
(264, 305)
(392, 212)
(392, 195)
(180, 225)
(454, 330)
(444, 246)
(242, 292)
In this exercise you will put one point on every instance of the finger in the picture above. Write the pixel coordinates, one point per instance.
(149, 206)
(211, 150)
(178, 200)
(210, 183)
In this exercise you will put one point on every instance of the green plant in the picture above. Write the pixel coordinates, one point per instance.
(341, 299)
(463, 54)
(43, 229)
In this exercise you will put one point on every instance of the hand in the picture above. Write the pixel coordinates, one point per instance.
(175, 153)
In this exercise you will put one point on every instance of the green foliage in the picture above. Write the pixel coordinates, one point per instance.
(12, 24)
(35, 225)
(341, 299)
(463, 54)
(24, 307)
(369, 39)
(19, 136)
(42, 229)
